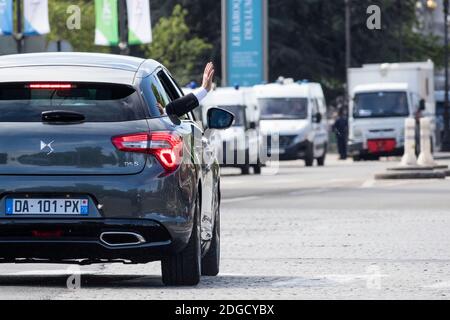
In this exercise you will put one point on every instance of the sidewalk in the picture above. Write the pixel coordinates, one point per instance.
(441, 155)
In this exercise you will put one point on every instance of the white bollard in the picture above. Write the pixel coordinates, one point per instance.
(409, 157)
(425, 156)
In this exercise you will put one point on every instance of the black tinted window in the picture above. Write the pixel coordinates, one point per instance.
(283, 108)
(97, 102)
(239, 114)
(168, 86)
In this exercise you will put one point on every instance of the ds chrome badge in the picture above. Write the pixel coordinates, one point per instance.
(47, 146)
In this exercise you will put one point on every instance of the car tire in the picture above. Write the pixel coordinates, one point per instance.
(245, 170)
(309, 156)
(184, 268)
(321, 160)
(257, 168)
(211, 261)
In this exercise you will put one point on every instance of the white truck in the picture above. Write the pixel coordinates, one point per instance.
(381, 97)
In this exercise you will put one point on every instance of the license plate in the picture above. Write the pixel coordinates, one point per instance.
(47, 207)
(381, 145)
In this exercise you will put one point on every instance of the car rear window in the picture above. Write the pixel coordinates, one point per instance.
(25, 102)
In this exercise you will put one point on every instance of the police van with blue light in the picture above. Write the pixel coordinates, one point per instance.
(293, 119)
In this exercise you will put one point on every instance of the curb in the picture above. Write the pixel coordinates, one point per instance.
(440, 167)
(411, 168)
(411, 175)
(419, 168)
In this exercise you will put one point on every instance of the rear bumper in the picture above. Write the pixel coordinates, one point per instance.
(79, 239)
(160, 208)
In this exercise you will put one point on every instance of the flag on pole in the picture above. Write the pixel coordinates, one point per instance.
(139, 22)
(36, 17)
(6, 17)
(107, 23)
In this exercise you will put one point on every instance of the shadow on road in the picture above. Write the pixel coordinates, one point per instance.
(93, 281)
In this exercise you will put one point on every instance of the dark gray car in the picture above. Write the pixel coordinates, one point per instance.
(92, 169)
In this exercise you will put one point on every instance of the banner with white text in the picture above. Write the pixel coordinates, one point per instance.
(106, 23)
(139, 22)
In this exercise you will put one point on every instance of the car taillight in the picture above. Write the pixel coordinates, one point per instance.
(167, 147)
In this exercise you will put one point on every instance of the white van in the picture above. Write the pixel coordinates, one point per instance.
(297, 112)
(240, 144)
(381, 97)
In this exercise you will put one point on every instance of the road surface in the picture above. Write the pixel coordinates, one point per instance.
(304, 233)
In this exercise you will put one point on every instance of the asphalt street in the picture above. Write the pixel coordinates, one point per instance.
(292, 233)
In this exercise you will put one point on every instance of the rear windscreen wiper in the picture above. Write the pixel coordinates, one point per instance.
(62, 116)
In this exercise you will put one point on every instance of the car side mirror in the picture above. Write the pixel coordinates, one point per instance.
(219, 119)
(318, 118)
(252, 125)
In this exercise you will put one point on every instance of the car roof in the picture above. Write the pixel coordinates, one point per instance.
(86, 67)
(99, 60)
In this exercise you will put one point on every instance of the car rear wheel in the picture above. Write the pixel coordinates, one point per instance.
(245, 170)
(184, 268)
(211, 261)
(257, 168)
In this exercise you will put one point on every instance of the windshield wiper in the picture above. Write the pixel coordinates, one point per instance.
(62, 116)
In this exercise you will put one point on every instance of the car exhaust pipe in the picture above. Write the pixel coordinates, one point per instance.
(116, 239)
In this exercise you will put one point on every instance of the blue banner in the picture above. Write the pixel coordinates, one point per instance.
(245, 42)
(6, 17)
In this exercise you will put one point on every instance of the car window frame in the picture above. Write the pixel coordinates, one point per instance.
(180, 92)
(170, 89)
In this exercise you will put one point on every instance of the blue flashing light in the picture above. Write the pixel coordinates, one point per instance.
(193, 85)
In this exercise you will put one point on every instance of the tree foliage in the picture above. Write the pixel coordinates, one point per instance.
(175, 47)
(82, 39)
(306, 38)
(203, 20)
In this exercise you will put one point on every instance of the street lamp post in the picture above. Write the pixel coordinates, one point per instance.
(19, 33)
(400, 31)
(348, 45)
(123, 28)
(446, 138)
